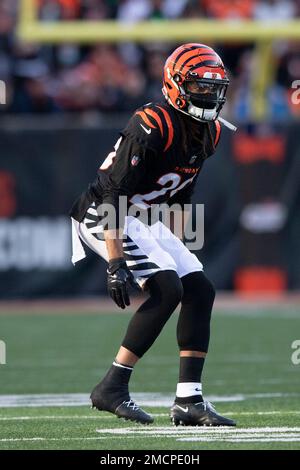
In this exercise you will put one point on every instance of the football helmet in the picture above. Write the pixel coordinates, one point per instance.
(195, 81)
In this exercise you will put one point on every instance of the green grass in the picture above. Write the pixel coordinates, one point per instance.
(59, 353)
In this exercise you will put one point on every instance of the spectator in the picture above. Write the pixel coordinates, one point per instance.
(229, 9)
(274, 10)
(71, 77)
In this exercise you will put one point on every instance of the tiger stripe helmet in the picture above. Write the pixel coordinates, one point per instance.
(195, 81)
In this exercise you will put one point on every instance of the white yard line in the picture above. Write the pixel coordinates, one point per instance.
(256, 439)
(143, 399)
(24, 439)
(204, 434)
(96, 416)
(162, 430)
(202, 439)
(185, 434)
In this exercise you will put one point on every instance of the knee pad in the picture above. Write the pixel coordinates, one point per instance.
(197, 289)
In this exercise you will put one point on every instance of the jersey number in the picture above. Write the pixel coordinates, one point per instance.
(169, 182)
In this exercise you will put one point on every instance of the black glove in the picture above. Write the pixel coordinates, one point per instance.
(118, 277)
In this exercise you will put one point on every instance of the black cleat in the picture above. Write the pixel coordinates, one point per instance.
(130, 410)
(198, 414)
(118, 403)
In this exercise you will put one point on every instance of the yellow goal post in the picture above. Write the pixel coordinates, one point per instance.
(31, 29)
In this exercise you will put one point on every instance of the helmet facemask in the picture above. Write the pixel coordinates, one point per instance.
(204, 97)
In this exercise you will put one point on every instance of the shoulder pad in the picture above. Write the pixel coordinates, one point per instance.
(152, 126)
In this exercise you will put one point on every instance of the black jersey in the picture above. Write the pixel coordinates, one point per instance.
(156, 160)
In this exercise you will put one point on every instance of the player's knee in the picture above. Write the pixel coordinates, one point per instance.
(171, 288)
(198, 290)
(168, 287)
(208, 290)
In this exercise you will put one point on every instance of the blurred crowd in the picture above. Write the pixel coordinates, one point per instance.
(75, 78)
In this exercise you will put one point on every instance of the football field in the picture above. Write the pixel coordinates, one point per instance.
(54, 360)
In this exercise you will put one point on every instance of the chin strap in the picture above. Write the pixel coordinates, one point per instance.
(228, 124)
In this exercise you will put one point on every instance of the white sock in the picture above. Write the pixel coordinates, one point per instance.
(188, 389)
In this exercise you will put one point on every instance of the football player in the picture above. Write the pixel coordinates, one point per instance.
(156, 160)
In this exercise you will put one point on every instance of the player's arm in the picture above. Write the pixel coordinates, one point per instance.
(114, 245)
(121, 178)
(124, 169)
(127, 169)
(118, 272)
